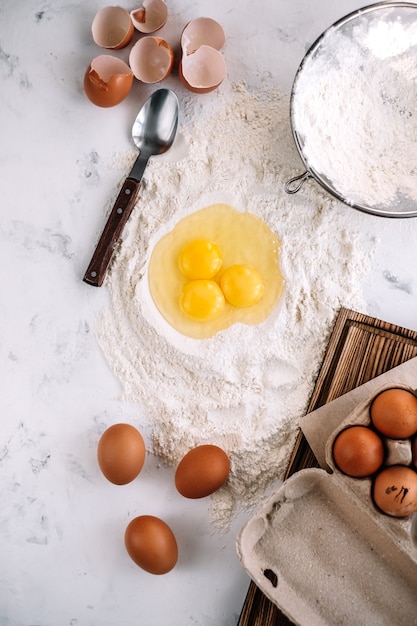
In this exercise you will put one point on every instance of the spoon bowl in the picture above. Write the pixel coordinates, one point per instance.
(155, 126)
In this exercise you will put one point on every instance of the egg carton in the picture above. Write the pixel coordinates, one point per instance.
(402, 530)
(324, 554)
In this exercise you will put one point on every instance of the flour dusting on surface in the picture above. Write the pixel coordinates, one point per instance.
(245, 388)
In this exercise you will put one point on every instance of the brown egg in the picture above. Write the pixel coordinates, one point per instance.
(121, 453)
(112, 28)
(358, 451)
(394, 413)
(151, 544)
(107, 80)
(202, 471)
(395, 491)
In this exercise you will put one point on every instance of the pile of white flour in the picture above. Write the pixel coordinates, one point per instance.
(355, 111)
(244, 388)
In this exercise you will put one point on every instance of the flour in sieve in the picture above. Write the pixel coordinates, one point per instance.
(355, 111)
(245, 388)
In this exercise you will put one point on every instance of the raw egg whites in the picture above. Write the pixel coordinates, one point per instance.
(151, 544)
(394, 413)
(107, 81)
(395, 491)
(202, 471)
(216, 267)
(121, 453)
(358, 451)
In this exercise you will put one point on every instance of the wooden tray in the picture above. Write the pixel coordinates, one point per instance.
(360, 348)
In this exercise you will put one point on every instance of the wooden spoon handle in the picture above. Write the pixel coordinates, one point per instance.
(116, 221)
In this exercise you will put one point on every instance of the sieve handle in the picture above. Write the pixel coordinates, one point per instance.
(294, 184)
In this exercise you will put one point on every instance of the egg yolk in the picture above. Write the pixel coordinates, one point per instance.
(242, 285)
(226, 237)
(200, 259)
(201, 299)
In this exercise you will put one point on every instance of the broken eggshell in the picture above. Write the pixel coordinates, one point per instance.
(203, 31)
(150, 17)
(107, 80)
(151, 59)
(202, 67)
(203, 70)
(112, 28)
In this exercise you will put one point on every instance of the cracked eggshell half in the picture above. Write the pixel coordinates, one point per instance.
(150, 17)
(203, 70)
(112, 28)
(202, 31)
(107, 80)
(151, 59)
(202, 67)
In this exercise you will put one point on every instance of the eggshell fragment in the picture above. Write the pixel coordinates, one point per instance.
(202, 31)
(203, 70)
(107, 80)
(202, 471)
(151, 544)
(121, 453)
(395, 491)
(112, 28)
(150, 17)
(151, 59)
(394, 413)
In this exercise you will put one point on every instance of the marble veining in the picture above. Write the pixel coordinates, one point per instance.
(62, 561)
(397, 283)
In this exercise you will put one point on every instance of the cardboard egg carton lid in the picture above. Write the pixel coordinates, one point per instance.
(319, 552)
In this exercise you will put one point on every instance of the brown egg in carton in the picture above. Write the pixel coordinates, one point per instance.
(397, 453)
(322, 551)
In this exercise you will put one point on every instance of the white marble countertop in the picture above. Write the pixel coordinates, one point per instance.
(61, 562)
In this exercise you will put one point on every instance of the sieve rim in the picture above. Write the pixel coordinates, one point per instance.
(311, 172)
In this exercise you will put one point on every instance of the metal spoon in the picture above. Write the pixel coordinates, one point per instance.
(153, 132)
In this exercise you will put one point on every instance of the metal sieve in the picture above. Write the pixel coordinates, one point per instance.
(383, 40)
